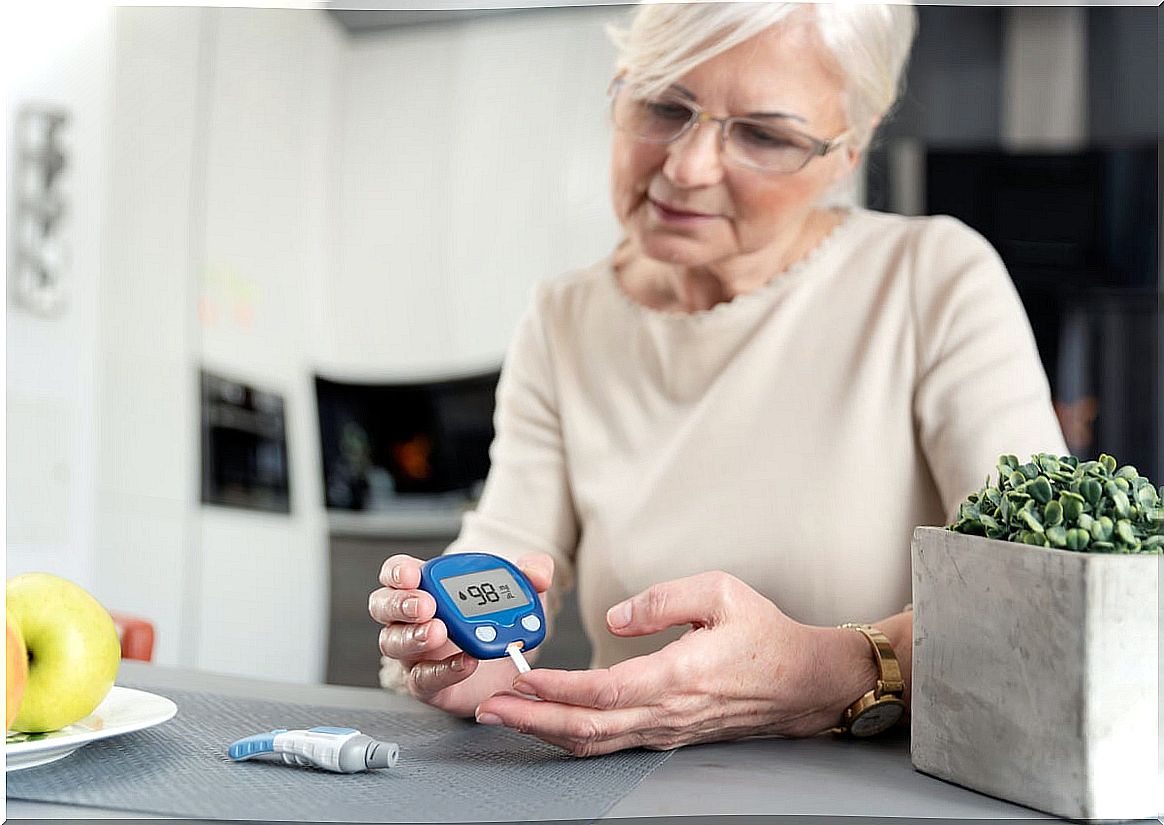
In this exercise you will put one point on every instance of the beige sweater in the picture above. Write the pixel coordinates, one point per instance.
(793, 436)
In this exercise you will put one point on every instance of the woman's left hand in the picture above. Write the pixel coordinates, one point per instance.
(743, 669)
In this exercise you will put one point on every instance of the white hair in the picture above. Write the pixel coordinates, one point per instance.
(869, 43)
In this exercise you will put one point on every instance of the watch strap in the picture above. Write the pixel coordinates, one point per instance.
(889, 681)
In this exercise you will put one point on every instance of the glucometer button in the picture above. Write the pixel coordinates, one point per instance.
(531, 623)
(485, 633)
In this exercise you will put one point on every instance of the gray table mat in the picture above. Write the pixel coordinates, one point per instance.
(450, 770)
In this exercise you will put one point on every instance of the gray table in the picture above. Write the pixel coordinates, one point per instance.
(821, 777)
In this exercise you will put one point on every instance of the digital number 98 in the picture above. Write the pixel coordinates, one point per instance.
(484, 594)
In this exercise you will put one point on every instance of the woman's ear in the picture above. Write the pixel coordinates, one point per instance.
(853, 156)
(852, 160)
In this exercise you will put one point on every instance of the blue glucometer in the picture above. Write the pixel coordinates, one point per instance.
(485, 602)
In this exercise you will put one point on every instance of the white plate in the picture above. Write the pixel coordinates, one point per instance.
(124, 710)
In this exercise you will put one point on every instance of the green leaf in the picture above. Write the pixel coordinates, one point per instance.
(1108, 463)
(1090, 468)
(1077, 539)
(1072, 504)
(1146, 496)
(1049, 463)
(1091, 491)
(1053, 513)
(1041, 490)
(1102, 529)
(1031, 521)
(1057, 535)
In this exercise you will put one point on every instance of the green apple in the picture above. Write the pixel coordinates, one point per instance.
(73, 650)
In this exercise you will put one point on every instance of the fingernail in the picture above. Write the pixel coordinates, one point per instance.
(458, 664)
(420, 633)
(619, 615)
(395, 574)
(488, 719)
(411, 607)
(523, 688)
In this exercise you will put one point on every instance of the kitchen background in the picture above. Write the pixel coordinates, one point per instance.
(263, 265)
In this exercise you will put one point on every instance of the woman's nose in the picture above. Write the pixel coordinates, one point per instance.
(695, 159)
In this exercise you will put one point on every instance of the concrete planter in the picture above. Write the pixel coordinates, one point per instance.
(1036, 674)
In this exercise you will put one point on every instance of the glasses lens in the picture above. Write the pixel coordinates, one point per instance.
(767, 146)
(658, 120)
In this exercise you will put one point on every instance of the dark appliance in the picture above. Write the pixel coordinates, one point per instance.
(413, 438)
(244, 446)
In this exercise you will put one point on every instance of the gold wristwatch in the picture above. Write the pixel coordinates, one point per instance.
(883, 707)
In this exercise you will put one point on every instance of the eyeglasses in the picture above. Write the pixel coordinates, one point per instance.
(755, 144)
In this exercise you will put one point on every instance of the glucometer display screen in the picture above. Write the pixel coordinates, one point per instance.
(486, 591)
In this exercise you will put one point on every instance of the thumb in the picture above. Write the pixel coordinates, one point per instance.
(539, 569)
(697, 600)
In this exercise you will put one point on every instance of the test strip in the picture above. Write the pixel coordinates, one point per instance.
(514, 651)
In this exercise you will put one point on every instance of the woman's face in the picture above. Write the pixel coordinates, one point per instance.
(683, 204)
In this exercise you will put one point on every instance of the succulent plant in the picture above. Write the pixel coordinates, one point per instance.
(1060, 501)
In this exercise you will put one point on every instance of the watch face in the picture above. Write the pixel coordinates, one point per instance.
(877, 718)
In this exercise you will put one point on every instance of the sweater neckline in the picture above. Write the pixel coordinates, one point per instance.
(774, 285)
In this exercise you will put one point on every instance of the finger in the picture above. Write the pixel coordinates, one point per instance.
(401, 571)
(618, 743)
(633, 683)
(410, 641)
(539, 569)
(388, 605)
(427, 678)
(564, 723)
(699, 600)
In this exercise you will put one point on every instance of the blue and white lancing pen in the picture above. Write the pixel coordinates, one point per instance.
(342, 750)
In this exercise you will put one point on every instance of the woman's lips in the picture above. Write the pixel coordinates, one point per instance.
(679, 217)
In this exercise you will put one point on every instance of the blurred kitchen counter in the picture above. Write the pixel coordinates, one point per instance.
(404, 523)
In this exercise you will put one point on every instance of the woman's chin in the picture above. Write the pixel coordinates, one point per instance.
(676, 250)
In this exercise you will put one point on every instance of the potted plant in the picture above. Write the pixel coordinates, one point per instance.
(1036, 640)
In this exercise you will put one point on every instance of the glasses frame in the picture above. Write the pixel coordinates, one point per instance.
(699, 116)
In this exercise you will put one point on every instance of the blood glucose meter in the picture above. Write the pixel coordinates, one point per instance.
(488, 605)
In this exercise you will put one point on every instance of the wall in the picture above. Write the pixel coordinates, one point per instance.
(1044, 63)
(473, 164)
(219, 246)
(267, 233)
(1125, 85)
(145, 413)
(957, 47)
(60, 60)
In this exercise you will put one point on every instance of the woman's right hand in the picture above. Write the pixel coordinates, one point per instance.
(437, 671)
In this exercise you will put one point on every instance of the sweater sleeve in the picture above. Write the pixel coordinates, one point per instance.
(981, 390)
(526, 506)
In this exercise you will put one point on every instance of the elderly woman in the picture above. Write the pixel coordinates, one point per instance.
(726, 430)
